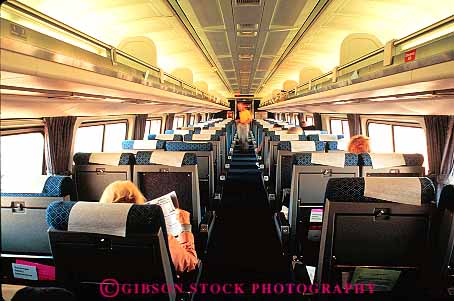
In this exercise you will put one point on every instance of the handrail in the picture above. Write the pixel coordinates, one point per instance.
(416, 34)
(425, 30)
(30, 12)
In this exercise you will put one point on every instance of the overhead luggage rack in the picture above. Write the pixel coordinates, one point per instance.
(28, 32)
(427, 47)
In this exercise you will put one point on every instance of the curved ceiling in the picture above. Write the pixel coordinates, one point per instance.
(112, 21)
(257, 45)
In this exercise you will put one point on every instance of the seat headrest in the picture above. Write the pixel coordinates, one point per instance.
(58, 186)
(84, 158)
(352, 190)
(446, 200)
(305, 159)
(275, 137)
(316, 137)
(143, 158)
(188, 146)
(141, 144)
(176, 137)
(410, 159)
(287, 146)
(142, 219)
(189, 137)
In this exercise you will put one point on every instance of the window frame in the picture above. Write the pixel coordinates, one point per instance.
(342, 124)
(311, 117)
(103, 123)
(176, 118)
(151, 119)
(392, 124)
(29, 130)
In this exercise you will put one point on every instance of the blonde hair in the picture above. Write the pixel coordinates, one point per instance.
(122, 192)
(359, 144)
(295, 130)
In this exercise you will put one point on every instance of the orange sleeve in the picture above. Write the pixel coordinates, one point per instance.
(182, 250)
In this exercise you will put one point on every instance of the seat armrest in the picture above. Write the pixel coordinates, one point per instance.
(283, 230)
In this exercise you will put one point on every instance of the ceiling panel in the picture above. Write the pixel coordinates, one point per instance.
(274, 42)
(208, 13)
(226, 63)
(264, 63)
(219, 42)
(287, 12)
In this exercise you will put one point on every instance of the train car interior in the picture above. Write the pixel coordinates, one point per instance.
(198, 150)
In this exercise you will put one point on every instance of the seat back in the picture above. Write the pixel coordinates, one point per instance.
(217, 145)
(93, 172)
(206, 164)
(270, 160)
(23, 222)
(284, 164)
(84, 259)
(155, 180)
(360, 230)
(166, 137)
(410, 166)
(135, 145)
(307, 192)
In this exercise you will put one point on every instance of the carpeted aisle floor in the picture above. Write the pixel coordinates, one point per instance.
(244, 246)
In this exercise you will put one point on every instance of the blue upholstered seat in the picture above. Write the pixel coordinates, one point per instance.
(176, 137)
(410, 159)
(352, 190)
(129, 144)
(185, 146)
(143, 158)
(84, 158)
(141, 218)
(286, 146)
(55, 186)
(275, 137)
(305, 159)
(317, 137)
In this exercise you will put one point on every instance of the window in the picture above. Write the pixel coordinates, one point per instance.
(104, 137)
(340, 127)
(388, 138)
(297, 120)
(178, 122)
(152, 126)
(192, 119)
(22, 153)
(309, 120)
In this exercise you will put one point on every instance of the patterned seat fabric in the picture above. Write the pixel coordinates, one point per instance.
(410, 159)
(83, 159)
(168, 132)
(55, 186)
(305, 159)
(216, 137)
(277, 138)
(352, 190)
(143, 158)
(129, 144)
(286, 145)
(184, 146)
(317, 138)
(176, 137)
(142, 219)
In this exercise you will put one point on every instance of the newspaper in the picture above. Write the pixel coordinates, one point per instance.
(170, 214)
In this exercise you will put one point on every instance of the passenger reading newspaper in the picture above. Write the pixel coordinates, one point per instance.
(182, 250)
(169, 205)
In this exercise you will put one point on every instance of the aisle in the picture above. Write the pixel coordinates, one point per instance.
(244, 246)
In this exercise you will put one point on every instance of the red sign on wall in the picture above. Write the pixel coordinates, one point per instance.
(410, 55)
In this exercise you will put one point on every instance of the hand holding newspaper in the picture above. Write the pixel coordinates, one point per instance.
(170, 213)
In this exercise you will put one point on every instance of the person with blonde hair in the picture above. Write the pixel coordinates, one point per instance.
(295, 130)
(242, 124)
(182, 249)
(359, 144)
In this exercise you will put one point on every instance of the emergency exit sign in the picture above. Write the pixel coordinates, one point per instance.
(410, 55)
